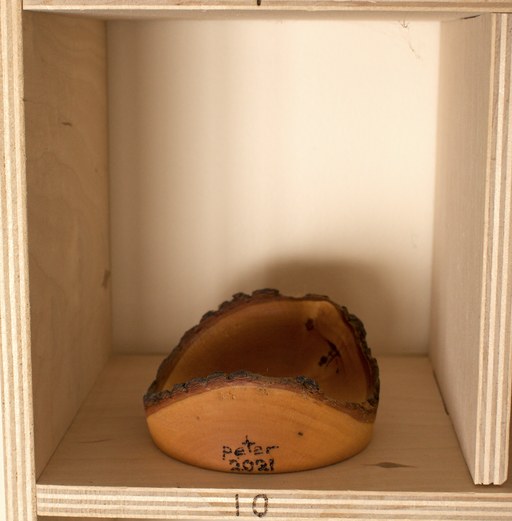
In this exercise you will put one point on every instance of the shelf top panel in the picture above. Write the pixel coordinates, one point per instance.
(414, 448)
(138, 8)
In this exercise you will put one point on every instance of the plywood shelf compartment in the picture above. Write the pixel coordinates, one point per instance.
(107, 464)
(77, 444)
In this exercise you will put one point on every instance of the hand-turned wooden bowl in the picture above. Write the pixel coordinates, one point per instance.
(267, 383)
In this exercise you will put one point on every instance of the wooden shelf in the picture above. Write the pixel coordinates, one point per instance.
(107, 464)
(165, 7)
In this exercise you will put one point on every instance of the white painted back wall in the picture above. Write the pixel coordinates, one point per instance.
(289, 153)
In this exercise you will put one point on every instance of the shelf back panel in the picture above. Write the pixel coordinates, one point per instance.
(298, 155)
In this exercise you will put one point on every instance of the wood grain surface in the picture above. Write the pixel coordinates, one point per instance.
(66, 133)
(470, 344)
(131, 8)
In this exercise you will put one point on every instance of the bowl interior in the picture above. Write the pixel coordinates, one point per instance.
(278, 338)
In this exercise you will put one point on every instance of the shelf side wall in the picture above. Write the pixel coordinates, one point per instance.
(470, 344)
(69, 261)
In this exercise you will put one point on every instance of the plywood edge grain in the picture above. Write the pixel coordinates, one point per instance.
(162, 7)
(16, 403)
(493, 420)
(218, 504)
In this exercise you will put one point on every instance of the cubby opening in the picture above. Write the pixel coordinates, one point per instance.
(174, 162)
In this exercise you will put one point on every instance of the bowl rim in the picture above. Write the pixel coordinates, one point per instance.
(364, 411)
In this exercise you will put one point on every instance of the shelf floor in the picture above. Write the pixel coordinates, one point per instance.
(107, 453)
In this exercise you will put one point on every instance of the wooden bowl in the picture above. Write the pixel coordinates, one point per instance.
(267, 383)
